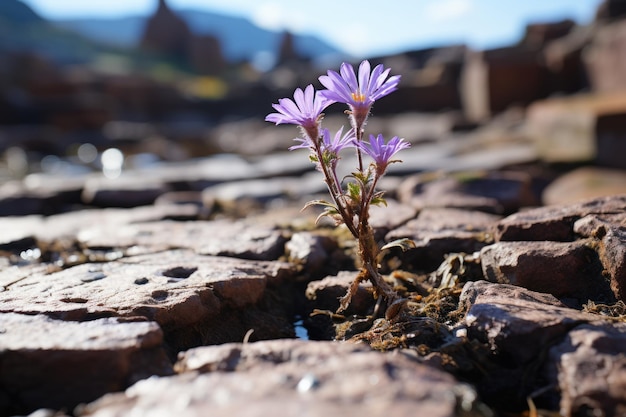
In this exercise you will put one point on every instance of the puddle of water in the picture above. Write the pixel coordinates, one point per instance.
(301, 331)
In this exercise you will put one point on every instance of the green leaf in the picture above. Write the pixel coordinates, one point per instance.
(378, 201)
(354, 191)
(404, 244)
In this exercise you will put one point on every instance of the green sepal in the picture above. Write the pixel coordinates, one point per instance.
(378, 200)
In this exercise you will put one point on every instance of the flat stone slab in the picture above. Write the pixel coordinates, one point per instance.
(182, 291)
(218, 237)
(498, 193)
(289, 378)
(49, 363)
(67, 225)
(555, 223)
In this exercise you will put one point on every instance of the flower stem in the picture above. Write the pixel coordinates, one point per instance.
(335, 191)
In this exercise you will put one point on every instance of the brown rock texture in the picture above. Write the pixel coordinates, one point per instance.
(307, 378)
(563, 269)
(49, 363)
(192, 297)
(584, 369)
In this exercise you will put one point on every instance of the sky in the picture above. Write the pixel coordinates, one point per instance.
(363, 27)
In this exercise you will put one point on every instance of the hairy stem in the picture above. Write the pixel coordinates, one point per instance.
(336, 193)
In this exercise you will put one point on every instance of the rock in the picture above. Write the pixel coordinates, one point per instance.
(563, 269)
(438, 232)
(610, 139)
(291, 377)
(584, 184)
(387, 217)
(538, 35)
(563, 57)
(205, 55)
(237, 136)
(603, 58)
(521, 327)
(611, 248)
(495, 192)
(493, 80)
(555, 223)
(218, 237)
(17, 200)
(326, 293)
(590, 369)
(311, 251)
(166, 33)
(54, 237)
(128, 190)
(195, 299)
(582, 128)
(262, 192)
(58, 364)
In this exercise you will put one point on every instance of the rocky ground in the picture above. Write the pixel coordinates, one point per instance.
(201, 288)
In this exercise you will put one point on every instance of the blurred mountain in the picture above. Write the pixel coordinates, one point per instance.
(23, 30)
(13, 11)
(240, 39)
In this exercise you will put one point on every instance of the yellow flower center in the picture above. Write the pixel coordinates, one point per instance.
(358, 97)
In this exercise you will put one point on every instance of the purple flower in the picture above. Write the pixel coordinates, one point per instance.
(382, 152)
(305, 112)
(333, 145)
(338, 142)
(358, 93)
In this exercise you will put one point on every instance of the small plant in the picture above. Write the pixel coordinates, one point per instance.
(352, 196)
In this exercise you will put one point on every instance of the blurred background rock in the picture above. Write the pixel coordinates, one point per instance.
(80, 95)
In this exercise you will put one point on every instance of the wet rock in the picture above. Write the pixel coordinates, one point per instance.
(195, 299)
(563, 269)
(285, 378)
(57, 364)
(219, 237)
(438, 232)
(554, 223)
